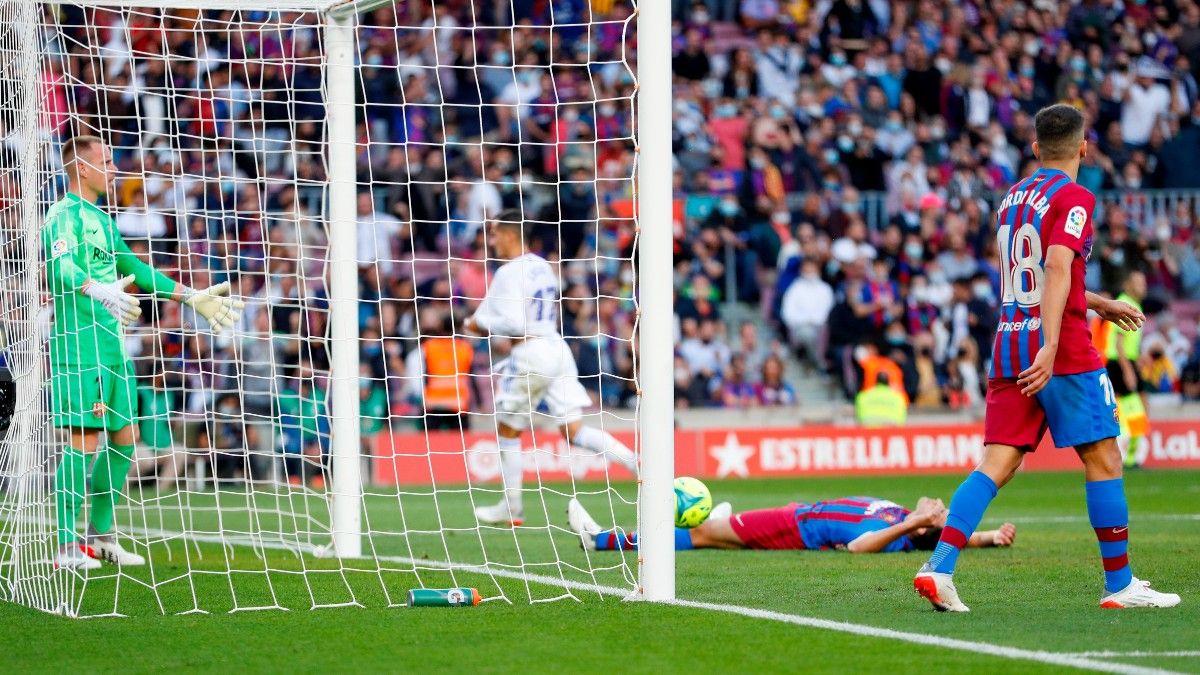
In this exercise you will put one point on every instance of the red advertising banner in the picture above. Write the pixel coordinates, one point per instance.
(452, 458)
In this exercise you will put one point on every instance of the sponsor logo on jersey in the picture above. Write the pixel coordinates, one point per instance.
(58, 248)
(1032, 323)
(99, 255)
(1076, 219)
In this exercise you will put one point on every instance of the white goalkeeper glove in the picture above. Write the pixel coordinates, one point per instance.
(113, 298)
(215, 305)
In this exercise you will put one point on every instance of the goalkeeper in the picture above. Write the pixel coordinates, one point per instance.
(90, 271)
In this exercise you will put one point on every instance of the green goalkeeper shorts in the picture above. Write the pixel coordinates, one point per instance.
(93, 397)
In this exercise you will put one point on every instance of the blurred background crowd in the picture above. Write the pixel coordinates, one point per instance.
(835, 168)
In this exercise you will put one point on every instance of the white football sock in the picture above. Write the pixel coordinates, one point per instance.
(602, 443)
(512, 466)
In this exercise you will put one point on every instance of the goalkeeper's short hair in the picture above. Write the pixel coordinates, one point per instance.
(72, 147)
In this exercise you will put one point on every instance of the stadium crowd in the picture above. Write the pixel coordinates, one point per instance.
(793, 121)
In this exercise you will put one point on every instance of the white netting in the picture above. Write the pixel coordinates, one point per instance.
(218, 123)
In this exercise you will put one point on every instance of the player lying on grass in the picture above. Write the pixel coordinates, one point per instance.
(854, 524)
(1045, 370)
(522, 305)
(89, 270)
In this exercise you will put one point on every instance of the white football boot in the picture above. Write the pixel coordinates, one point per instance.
(72, 557)
(499, 514)
(1138, 594)
(582, 524)
(106, 547)
(721, 511)
(938, 588)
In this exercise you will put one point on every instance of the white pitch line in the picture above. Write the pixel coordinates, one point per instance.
(983, 648)
(1134, 653)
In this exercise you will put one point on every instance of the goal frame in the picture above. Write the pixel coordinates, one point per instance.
(655, 442)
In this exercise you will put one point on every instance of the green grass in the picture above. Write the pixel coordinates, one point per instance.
(1039, 595)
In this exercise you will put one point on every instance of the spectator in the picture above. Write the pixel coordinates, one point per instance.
(771, 389)
(805, 310)
(736, 391)
(706, 357)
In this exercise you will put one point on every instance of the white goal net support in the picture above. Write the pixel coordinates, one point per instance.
(338, 166)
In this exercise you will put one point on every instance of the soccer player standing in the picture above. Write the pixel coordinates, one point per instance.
(1045, 371)
(521, 304)
(88, 269)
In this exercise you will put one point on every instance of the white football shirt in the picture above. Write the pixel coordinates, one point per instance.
(521, 300)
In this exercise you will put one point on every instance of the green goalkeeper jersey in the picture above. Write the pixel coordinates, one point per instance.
(81, 242)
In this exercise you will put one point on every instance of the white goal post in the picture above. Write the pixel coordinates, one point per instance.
(27, 453)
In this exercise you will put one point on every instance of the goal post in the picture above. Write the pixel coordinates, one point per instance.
(656, 503)
(401, 507)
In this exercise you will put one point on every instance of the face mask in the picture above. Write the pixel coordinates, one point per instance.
(1133, 183)
(896, 339)
(608, 110)
(982, 291)
(837, 59)
(851, 207)
(943, 64)
(855, 128)
(938, 277)
(919, 294)
(781, 218)
(699, 17)
(814, 110)
(1032, 48)
(937, 133)
(845, 143)
(681, 374)
(831, 157)
(831, 185)
(757, 163)
(726, 110)
(1078, 63)
(894, 126)
(502, 59)
(1164, 232)
(374, 60)
(777, 112)
(627, 277)
(860, 353)
(1028, 71)
(914, 250)
(728, 208)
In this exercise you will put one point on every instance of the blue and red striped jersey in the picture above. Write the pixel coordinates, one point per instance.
(1045, 209)
(836, 523)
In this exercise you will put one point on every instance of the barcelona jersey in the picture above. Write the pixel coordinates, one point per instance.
(1043, 210)
(836, 523)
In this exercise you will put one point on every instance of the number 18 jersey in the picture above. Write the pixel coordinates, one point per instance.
(1043, 210)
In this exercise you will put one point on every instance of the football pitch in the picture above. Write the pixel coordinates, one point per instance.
(1034, 606)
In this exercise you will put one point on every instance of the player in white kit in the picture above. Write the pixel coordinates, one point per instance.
(522, 305)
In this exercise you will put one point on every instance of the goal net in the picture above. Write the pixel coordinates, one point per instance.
(341, 169)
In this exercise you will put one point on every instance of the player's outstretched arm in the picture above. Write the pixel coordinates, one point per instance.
(213, 303)
(1005, 536)
(1054, 302)
(1126, 316)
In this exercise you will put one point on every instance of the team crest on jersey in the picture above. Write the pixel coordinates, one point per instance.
(98, 409)
(58, 248)
(888, 511)
(1076, 219)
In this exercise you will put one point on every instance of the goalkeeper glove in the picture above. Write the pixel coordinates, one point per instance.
(113, 298)
(214, 305)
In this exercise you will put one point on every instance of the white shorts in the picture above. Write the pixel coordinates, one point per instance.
(539, 370)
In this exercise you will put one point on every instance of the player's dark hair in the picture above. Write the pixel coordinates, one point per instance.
(1059, 130)
(927, 540)
(514, 220)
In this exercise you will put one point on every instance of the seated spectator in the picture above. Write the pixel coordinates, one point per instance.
(772, 390)
(706, 357)
(736, 392)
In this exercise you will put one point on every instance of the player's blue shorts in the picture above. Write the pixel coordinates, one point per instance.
(1080, 408)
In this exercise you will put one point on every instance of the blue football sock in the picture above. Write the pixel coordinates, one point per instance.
(1108, 512)
(613, 540)
(966, 510)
